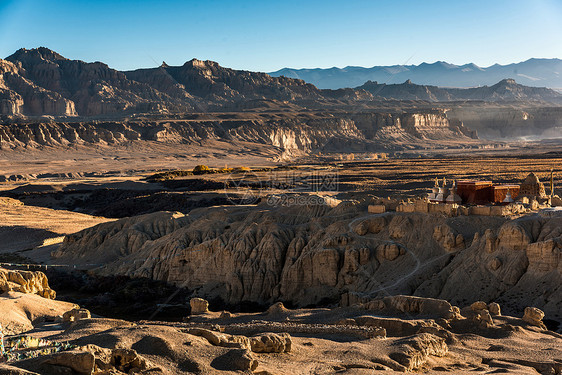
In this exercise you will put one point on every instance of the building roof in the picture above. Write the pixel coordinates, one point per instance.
(474, 182)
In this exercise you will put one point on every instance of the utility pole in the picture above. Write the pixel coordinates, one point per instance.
(551, 182)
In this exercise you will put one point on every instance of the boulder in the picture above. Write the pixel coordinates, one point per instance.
(277, 308)
(485, 318)
(199, 305)
(127, 361)
(494, 309)
(271, 343)
(75, 315)
(413, 352)
(221, 339)
(479, 305)
(534, 316)
(236, 360)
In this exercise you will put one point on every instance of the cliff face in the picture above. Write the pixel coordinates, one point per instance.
(50, 84)
(19, 95)
(323, 252)
(208, 80)
(289, 135)
(87, 89)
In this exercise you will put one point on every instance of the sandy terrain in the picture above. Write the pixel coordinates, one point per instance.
(132, 157)
(26, 227)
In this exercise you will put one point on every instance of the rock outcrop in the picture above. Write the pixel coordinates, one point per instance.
(75, 315)
(19, 95)
(534, 316)
(34, 282)
(313, 254)
(413, 352)
(271, 343)
(199, 305)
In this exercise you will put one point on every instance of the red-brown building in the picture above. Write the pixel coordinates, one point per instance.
(474, 192)
(484, 192)
(499, 192)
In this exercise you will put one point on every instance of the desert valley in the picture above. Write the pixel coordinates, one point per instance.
(200, 219)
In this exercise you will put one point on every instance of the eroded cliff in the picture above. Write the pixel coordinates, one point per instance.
(325, 253)
(288, 134)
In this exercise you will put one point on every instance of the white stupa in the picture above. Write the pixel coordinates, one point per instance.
(434, 191)
(443, 193)
(508, 199)
(453, 196)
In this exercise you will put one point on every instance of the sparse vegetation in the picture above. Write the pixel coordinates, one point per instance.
(201, 169)
(168, 175)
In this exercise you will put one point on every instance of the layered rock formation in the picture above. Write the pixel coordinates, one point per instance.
(87, 89)
(317, 254)
(27, 300)
(42, 82)
(19, 95)
(290, 134)
(34, 282)
(210, 81)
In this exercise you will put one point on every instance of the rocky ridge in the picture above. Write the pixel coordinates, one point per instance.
(40, 82)
(287, 135)
(322, 254)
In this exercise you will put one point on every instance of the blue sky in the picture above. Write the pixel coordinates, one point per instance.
(269, 35)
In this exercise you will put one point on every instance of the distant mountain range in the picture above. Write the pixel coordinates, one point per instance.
(507, 90)
(533, 72)
(39, 82)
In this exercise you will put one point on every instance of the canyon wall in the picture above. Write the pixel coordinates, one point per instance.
(328, 253)
(330, 132)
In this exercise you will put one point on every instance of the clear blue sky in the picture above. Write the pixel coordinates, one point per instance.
(269, 35)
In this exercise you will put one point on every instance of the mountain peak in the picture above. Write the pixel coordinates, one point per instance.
(506, 82)
(195, 63)
(40, 52)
